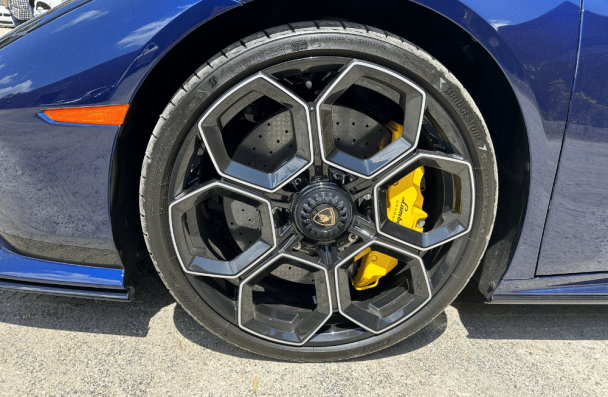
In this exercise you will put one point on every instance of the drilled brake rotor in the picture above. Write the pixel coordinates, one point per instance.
(358, 134)
(270, 144)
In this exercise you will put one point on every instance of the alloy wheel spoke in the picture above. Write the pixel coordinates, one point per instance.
(457, 201)
(278, 312)
(265, 107)
(193, 219)
(403, 294)
(365, 161)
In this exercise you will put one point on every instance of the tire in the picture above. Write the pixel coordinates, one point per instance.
(178, 127)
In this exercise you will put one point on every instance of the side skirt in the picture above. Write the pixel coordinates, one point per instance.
(21, 273)
(581, 289)
(121, 295)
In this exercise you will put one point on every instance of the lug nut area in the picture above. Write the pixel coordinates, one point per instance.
(322, 212)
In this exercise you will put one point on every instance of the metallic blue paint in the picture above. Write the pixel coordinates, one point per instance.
(576, 234)
(55, 181)
(55, 178)
(20, 268)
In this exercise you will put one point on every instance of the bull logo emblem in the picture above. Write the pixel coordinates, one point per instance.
(325, 217)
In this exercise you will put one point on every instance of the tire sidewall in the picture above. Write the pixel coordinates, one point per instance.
(223, 73)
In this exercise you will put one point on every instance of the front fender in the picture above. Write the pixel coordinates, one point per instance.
(54, 195)
(96, 54)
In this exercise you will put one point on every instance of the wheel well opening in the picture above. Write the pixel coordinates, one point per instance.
(472, 65)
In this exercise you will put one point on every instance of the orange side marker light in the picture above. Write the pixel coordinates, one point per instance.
(100, 115)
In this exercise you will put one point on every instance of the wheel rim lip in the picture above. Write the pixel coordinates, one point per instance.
(371, 242)
(235, 189)
(406, 164)
(327, 91)
(270, 262)
(259, 75)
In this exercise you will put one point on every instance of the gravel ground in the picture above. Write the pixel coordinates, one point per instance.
(60, 346)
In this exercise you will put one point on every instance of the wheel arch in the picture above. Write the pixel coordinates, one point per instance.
(461, 53)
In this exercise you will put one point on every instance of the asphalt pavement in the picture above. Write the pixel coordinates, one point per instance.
(151, 347)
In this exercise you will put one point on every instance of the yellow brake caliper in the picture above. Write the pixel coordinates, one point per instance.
(403, 206)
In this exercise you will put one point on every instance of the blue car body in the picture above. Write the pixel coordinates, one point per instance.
(65, 223)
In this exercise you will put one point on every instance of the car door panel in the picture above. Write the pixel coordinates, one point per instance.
(576, 234)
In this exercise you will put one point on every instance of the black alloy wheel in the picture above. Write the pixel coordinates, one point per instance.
(268, 175)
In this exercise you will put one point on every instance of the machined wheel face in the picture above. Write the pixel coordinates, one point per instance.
(319, 202)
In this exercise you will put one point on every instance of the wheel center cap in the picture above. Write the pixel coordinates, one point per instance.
(323, 212)
(324, 217)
